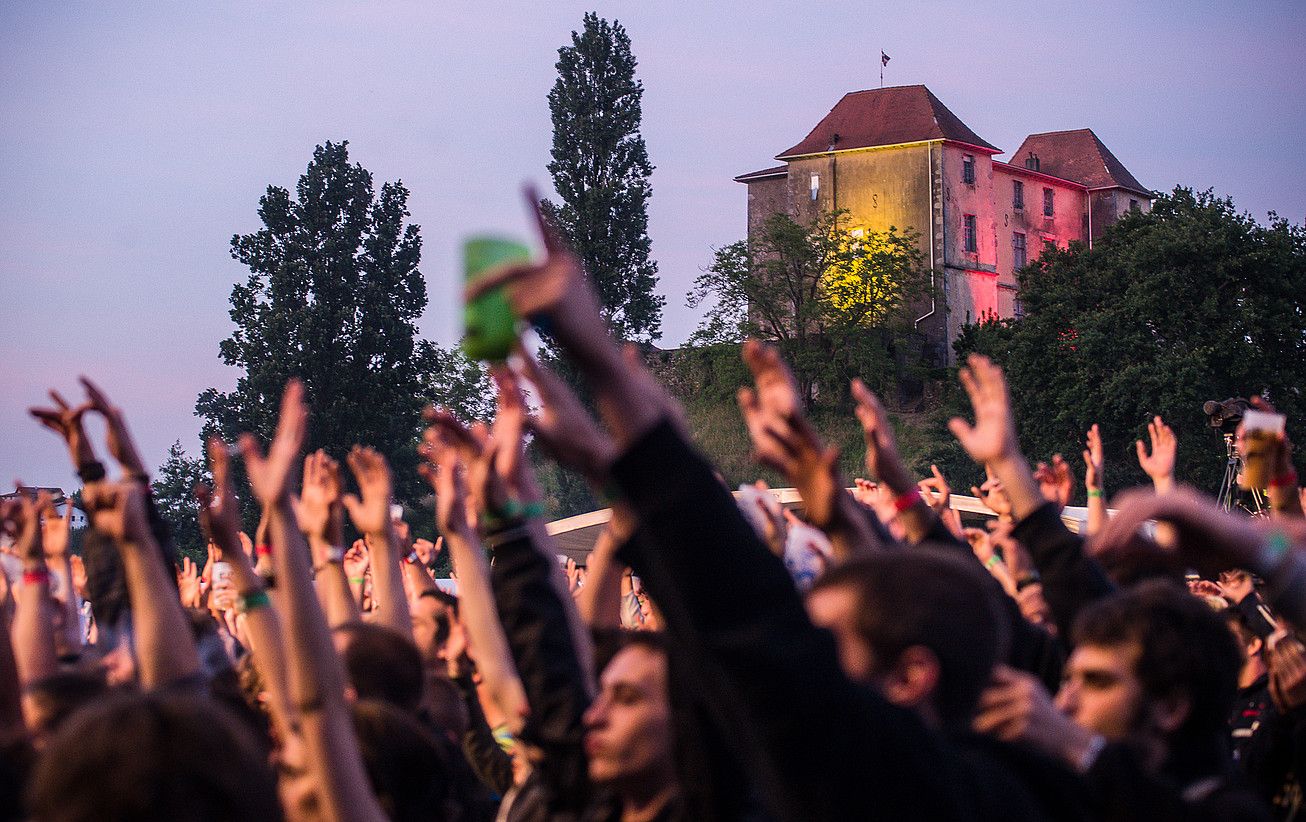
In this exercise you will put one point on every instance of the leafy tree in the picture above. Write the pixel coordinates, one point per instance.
(832, 299)
(332, 297)
(173, 491)
(460, 384)
(1193, 301)
(601, 170)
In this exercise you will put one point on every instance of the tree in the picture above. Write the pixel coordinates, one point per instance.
(173, 491)
(332, 297)
(830, 298)
(1190, 302)
(601, 170)
(460, 384)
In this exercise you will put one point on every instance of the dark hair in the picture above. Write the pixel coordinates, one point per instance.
(934, 599)
(153, 756)
(443, 620)
(383, 664)
(1185, 649)
(410, 770)
(59, 695)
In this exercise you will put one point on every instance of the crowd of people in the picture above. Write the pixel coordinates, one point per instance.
(717, 657)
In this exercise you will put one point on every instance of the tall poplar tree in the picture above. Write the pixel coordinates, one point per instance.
(601, 172)
(333, 297)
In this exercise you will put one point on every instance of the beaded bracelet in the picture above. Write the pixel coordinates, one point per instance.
(250, 601)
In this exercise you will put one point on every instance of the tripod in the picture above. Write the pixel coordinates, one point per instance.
(1229, 496)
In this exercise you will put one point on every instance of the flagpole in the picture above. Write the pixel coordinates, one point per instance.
(881, 68)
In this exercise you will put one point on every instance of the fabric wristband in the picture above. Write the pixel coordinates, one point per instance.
(1095, 493)
(413, 558)
(37, 576)
(991, 561)
(263, 550)
(1030, 579)
(250, 601)
(1287, 480)
(907, 500)
(91, 471)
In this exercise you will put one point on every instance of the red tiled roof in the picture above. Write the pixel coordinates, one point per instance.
(1078, 155)
(886, 117)
(774, 171)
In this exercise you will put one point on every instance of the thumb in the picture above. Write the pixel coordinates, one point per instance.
(352, 504)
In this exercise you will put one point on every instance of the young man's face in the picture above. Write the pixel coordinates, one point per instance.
(628, 735)
(835, 609)
(1101, 692)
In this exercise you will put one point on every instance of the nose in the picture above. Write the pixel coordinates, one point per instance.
(596, 714)
(1067, 700)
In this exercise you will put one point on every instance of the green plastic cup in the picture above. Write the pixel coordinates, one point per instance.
(489, 324)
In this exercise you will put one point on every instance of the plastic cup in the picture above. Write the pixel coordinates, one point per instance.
(489, 324)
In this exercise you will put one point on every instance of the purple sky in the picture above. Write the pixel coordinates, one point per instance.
(136, 138)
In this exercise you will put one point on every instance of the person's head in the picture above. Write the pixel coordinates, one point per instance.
(152, 756)
(1253, 647)
(410, 771)
(1152, 665)
(921, 625)
(381, 664)
(56, 697)
(433, 614)
(629, 728)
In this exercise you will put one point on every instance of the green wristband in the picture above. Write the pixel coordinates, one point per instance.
(1094, 493)
(254, 599)
(991, 561)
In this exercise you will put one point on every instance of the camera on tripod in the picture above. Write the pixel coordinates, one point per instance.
(1226, 414)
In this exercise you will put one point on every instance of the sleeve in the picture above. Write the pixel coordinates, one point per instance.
(838, 750)
(491, 764)
(539, 635)
(1071, 578)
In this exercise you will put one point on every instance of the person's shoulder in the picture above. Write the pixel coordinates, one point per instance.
(1229, 802)
(1023, 783)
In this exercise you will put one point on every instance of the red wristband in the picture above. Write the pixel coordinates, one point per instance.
(263, 550)
(1287, 480)
(38, 577)
(907, 500)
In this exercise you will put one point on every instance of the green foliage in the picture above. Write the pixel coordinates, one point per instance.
(834, 301)
(173, 491)
(332, 297)
(601, 171)
(460, 385)
(1190, 302)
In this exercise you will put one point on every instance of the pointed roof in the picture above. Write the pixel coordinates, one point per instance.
(886, 117)
(775, 171)
(1080, 156)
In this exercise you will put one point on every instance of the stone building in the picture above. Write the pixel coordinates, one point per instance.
(897, 156)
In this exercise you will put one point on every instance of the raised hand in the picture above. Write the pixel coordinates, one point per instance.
(427, 551)
(219, 511)
(563, 426)
(1159, 464)
(936, 491)
(1093, 472)
(25, 521)
(56, 530)
(476, 450)
(271, 477)
(118, 509)
(371, 514)
(1055, 481)
(318, 508)
(882, 457)
(66, 421)
(536, 288)
(118, 438)
(188, 583)
(993, 436)
(993, 497)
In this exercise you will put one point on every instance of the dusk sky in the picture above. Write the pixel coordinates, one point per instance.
(136, 139)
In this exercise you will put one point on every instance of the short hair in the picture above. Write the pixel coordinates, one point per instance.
(1186, 649)
(60, 694)
(444, 620)
(383, 664)
(931, 598)
(411, 772)
(153, 756)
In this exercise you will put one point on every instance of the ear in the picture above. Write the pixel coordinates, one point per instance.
(1255, 647)
(913, 678)
(1169, 713)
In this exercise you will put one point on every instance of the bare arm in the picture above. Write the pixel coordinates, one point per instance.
(316, 675)
(1094, 481)
(371, 516)
(34, 646)
(165, 650)
(220, 515)
(600, 600)
(320, 515)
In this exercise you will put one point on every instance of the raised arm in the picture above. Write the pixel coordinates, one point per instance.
(165, 651)
(476, 607)
(1094, 482)
(315, 673)
(371, 516)
(784, 440)
(320, 514)
(220, 516)
(34, 645)
(882, 459)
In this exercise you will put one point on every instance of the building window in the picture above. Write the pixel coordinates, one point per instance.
(1018, 258)
(1017, 195)
(1133, 205)
(816, 186)
(972, 243)
(968, 170)
(1018, 307)
(1048, 195)
(1049, 245)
